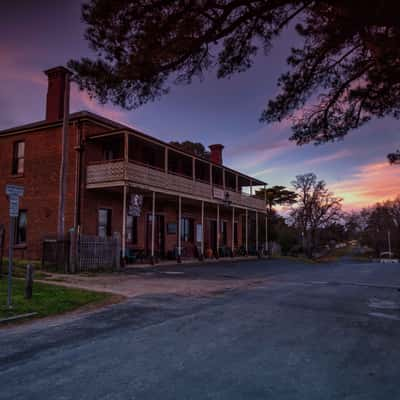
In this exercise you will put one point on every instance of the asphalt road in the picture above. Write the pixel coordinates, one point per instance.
(304, 332)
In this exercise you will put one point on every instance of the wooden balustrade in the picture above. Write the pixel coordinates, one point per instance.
(115, 173)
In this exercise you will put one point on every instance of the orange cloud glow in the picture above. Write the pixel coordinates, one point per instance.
(372, 183)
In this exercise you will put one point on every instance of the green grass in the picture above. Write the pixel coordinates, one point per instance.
(46, 299)
(19, 268)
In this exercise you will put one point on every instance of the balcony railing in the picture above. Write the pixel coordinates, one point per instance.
(116, 172)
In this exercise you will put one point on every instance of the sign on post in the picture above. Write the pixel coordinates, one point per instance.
(14, 206)
(13, 192)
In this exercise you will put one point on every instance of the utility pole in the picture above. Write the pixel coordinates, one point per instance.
(390, 245)
(64, 160)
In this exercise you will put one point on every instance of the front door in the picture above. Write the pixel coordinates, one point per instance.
(213, 235)
(159, 235)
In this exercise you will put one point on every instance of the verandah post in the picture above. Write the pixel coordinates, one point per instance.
(153, 223)
(266, 235)
(179, 260)
(218, 233)
(257, 249)
(246, 231)
(123, 238)
(233, 231)
(202, 231)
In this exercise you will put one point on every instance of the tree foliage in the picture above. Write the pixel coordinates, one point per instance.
(371, 226)
(316, 208)
(196, 148)
(346, 71)
(276, 195)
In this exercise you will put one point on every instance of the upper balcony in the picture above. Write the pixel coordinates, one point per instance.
(127, 158)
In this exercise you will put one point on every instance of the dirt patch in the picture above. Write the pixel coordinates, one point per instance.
(129, 285)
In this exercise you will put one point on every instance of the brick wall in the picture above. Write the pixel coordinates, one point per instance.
(40, 180)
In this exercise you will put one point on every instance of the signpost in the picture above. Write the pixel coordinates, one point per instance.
(14, 193)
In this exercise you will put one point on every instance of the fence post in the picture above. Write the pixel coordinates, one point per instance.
(72, 251)
(29, 281)
(117, 259)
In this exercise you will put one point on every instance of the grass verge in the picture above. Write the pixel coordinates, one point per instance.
(19, 268)
(46, 300)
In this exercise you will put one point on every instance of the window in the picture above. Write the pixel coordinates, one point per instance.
(20, 228)
(131, 229)
(230, 180)
(180, 164)
(199, 233)
(147, 153)
(113, 148)
(235, 234)
(187, 230)
(104, 222)
(171, 228)
(217, 176)
(202, 171)
(18, 158)
(224, 238)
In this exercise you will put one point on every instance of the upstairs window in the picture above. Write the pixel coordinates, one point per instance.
(217, 176)
(230, 180)
(20, 228)
(18, 158)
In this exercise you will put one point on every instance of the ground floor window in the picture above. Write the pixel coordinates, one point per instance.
(187, 229)
(131, 229)
(224, 237)
(20, 228)
(104, 222)
(243, 228)
(199, 233)
(235, 234)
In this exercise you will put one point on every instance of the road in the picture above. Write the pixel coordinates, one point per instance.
(303, 332)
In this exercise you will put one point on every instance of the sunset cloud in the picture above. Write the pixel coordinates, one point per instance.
(330, 157)
(13, 68)
(371, 183)
(81, 100)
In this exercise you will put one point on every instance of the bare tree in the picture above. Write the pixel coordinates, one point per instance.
(315, 209)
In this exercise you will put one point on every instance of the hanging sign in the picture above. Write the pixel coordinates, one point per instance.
(135, 205)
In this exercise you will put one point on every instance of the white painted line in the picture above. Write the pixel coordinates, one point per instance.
(382, 315)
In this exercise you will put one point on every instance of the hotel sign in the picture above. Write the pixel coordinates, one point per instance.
(219, 194)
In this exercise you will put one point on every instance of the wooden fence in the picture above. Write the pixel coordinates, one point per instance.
(94, 253)
(56, 254)
(81, 253)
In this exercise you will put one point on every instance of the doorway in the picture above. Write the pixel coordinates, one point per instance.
(159, 235)
(213, 235)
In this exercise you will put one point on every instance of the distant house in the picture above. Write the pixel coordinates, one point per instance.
(161, 199)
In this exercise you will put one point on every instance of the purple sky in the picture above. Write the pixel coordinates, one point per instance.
(37, 35)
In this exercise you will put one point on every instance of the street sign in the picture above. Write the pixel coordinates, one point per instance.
(14, 206)
(14, 190)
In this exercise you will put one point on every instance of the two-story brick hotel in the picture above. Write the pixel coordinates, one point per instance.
(163, 201)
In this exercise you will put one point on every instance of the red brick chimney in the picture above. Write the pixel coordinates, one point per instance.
(57, 84)
(216, 153)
